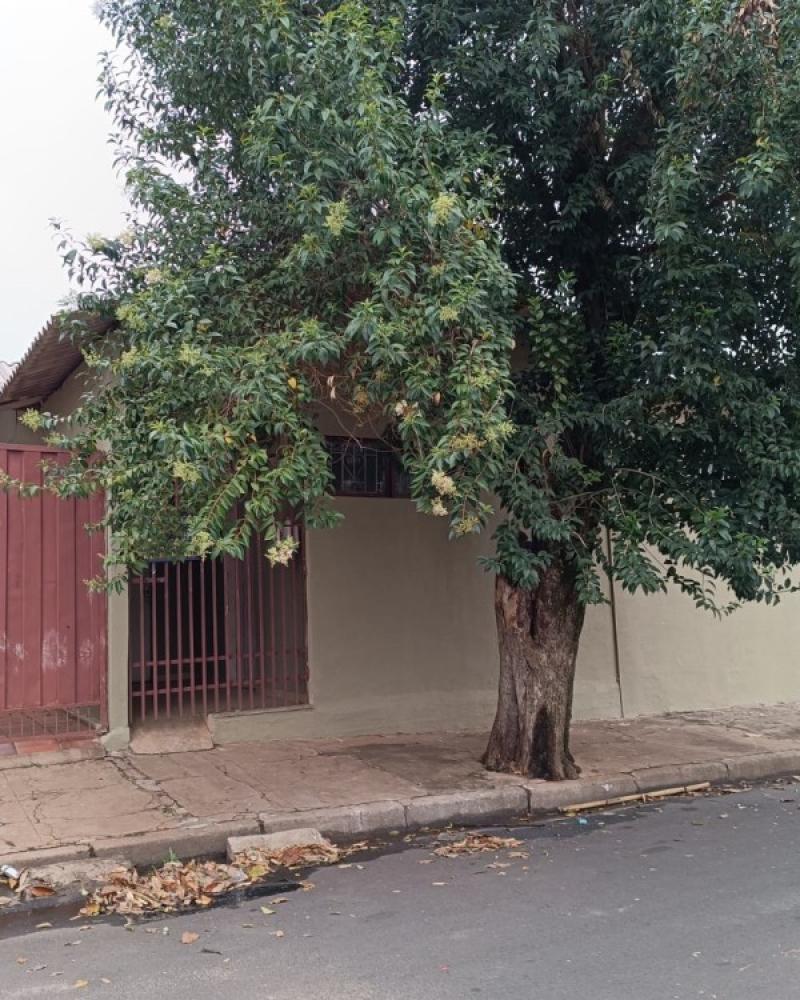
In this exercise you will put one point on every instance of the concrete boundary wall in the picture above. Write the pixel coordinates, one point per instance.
(402, 640)
(402, 636)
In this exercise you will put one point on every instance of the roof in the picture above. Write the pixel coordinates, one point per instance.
(47, 363)
(5, 373)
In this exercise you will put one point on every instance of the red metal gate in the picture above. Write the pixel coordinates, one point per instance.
(52, 628)
(218, 635)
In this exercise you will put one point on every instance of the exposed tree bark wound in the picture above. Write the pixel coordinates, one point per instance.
(538, 633)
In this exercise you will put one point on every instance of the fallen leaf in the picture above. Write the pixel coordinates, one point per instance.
(359, 845)
(306, 854)
(80, 984)
(281, 899)
(41, 890)
(306, 886)
(475, 843)
(266, 911)
(178, 885)
(107, 982)
(189, 937)
(175, 886)
(21, 960)
(41, 926)
(438, 883)
(277, 933)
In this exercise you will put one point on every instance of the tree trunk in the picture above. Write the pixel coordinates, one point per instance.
(538, 633)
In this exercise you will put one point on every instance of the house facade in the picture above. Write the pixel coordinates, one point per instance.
(383, 626)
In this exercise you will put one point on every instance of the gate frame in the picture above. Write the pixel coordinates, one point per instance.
(234, 695)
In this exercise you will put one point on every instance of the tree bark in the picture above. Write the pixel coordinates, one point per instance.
(538, 632)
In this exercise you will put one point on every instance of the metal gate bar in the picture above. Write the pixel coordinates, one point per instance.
(218, 635)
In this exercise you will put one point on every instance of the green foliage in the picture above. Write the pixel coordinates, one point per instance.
(650, 207)
(299, 242)
(329, 202)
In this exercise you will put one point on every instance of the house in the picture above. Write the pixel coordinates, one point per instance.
(383, 625)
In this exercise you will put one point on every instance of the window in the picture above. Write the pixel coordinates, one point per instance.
(366, 468)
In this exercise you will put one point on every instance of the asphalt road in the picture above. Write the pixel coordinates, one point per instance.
(693, 898)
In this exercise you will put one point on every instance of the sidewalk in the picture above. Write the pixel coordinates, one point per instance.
(139, 807)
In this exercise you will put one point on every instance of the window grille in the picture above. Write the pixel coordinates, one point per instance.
(366, 468)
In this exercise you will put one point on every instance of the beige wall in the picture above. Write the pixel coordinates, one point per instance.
(402, 640)
(401, 633)
(62, 402)
(675, 658)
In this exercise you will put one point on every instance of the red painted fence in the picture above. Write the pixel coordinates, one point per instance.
(52, 628)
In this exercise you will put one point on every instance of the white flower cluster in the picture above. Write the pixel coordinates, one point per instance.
(281, 552)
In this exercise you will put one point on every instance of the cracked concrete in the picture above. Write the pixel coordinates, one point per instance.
(193, 800)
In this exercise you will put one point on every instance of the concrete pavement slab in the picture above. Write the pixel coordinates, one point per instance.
(190, 802)
(216, 794)
(171, 736)
(21, 836)
(75, 778)
(432, 765)
(329, 780)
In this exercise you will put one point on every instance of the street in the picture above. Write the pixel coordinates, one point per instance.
(693, 897)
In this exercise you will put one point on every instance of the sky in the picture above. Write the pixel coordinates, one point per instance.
(55, 162)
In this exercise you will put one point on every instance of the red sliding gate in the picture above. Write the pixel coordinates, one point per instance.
(52, 628)
(218, 635)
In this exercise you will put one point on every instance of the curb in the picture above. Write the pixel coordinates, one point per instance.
(184, 842)
(47, 856)
(385, 816)
(506, 800)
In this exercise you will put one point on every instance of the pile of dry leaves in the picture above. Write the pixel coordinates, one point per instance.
(476, 843)
(178, 885)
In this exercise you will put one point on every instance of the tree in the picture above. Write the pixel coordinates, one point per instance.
(298, 240)
(650, 210)
(317, 216)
